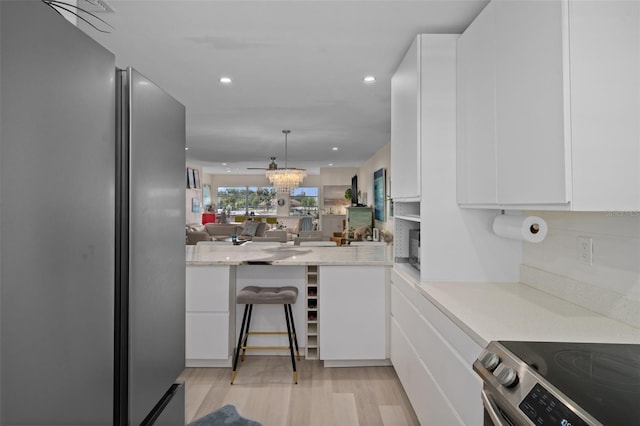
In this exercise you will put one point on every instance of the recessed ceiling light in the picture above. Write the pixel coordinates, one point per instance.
(186, 148)
(330, 164)
(369, 79)
(225, 80)
(224, 164)
(335, 148)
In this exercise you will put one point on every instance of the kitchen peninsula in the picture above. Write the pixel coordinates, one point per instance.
(341, 314)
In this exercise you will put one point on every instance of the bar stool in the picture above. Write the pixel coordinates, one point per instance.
(254, 295)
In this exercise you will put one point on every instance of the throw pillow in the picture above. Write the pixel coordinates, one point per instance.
(250, 228)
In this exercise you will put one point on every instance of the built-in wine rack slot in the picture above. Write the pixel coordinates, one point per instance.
(312, 348)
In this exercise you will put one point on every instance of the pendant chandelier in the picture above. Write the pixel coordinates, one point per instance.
(287, 179)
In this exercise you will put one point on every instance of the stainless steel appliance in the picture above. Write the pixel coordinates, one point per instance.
(555, 383)
(92, 241)
(414, 248)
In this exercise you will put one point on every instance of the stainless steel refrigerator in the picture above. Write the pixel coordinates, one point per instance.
(92, 212)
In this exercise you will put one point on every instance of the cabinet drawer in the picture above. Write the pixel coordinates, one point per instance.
(207, 336)
(431, 406)
(427, 400)
(466, 347)
(406, 287)
(407, 315)
(400, 353)
(453, 374)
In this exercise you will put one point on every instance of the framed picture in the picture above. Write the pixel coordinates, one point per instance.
(206, 195)
(191, 179)
(195, 205)
(379, 181)
(333, 196)
(196, 178)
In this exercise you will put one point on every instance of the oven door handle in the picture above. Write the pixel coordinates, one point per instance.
(492, 410)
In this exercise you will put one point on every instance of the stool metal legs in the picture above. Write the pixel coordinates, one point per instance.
(246, 332)
(237, 354)
(293, 328)
(287, 313)
(244, 336)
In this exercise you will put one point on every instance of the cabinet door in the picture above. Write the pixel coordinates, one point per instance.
(207, 289)
(353, 312)
(207, 335)
(605, 105)
(405, 126)
(476, 139)
(532, 150)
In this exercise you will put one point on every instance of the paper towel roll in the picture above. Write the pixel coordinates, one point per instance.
(532, 229)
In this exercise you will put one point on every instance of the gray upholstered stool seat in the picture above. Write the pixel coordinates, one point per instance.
(267, 295)
(255, 295)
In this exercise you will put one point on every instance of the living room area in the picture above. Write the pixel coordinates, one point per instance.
(221, 206)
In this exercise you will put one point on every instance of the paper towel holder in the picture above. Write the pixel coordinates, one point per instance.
(534, 228)
(530, 228)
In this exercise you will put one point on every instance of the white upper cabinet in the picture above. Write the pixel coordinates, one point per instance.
(405, 126)
(605, 104)
(532, 151)
(476, 134)
(549, 106)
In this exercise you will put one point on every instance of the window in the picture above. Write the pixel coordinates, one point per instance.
(247, 200)
(304, 200)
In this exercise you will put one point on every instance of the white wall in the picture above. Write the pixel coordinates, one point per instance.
(610, 286)
(380, 160)
(336, 176)
(456, 244)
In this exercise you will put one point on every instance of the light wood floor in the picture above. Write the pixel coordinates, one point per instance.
(264, 391)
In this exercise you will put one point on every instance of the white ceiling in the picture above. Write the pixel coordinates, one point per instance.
(295, 65)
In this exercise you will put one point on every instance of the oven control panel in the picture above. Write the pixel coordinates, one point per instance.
(542, 408)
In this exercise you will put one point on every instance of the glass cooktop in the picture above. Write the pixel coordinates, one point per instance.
(603, 379)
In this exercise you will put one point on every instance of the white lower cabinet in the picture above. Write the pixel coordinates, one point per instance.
(433, 359)
(206, 331)
(210, 316)
(429, 403)
(353, 321)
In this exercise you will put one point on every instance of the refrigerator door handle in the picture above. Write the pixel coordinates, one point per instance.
(160, 406)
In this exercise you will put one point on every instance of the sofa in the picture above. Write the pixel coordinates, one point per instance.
(212, 231)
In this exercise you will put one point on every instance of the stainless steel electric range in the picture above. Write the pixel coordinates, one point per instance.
(552, 383)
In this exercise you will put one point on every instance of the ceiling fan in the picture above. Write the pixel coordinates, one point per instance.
(273, 165)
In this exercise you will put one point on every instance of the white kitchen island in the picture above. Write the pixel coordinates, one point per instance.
(341, 314)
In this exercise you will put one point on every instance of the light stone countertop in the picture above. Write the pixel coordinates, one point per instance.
(278, 254)
(514, 311)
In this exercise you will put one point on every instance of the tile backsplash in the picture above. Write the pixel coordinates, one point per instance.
(611, 285)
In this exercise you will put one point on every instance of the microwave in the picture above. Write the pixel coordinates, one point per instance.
(414, 248)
